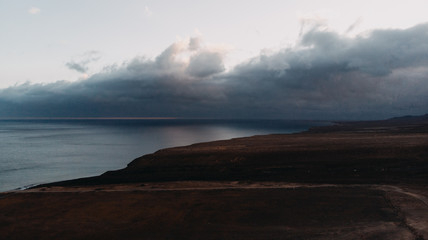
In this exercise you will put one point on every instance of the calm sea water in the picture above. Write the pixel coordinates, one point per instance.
(41, 151)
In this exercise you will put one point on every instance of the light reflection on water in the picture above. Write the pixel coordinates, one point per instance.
(34, 152)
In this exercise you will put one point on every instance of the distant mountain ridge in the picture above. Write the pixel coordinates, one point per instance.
(396, 124)
(410, 118)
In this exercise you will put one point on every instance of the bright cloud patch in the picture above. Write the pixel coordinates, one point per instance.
(34, 10)
(147, 12)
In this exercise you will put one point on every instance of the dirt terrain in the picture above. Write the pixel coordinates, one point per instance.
(364, 180)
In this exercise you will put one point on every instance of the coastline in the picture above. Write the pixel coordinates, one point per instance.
(43, 151)
(375, 152)
(347, 181)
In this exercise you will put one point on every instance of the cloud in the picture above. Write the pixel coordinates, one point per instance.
(85, 59)
(34, 10)
(312, 20)
(326, 75)
(353, 26)
(77, 66)
(195, 43)
(205, 64)
(147, 12)
(331, 75)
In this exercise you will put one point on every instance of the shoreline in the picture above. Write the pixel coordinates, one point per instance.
(348, 181)
(237, 159)
(59, 165)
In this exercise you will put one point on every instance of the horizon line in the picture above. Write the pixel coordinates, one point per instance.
(85, 118)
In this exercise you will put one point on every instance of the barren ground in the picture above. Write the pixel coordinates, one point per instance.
(352, 181)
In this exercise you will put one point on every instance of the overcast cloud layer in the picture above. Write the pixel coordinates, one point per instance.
(326, 75)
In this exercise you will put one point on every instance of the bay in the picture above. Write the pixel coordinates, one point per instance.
(40, 151)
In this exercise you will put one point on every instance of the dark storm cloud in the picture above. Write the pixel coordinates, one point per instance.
(164, 86)
(325, 76)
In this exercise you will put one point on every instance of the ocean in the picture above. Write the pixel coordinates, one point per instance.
(40, 151)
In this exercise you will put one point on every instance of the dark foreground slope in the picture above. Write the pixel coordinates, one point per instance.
(306, 212)
(364, 180)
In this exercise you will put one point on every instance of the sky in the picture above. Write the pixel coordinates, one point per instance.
(305, 59)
